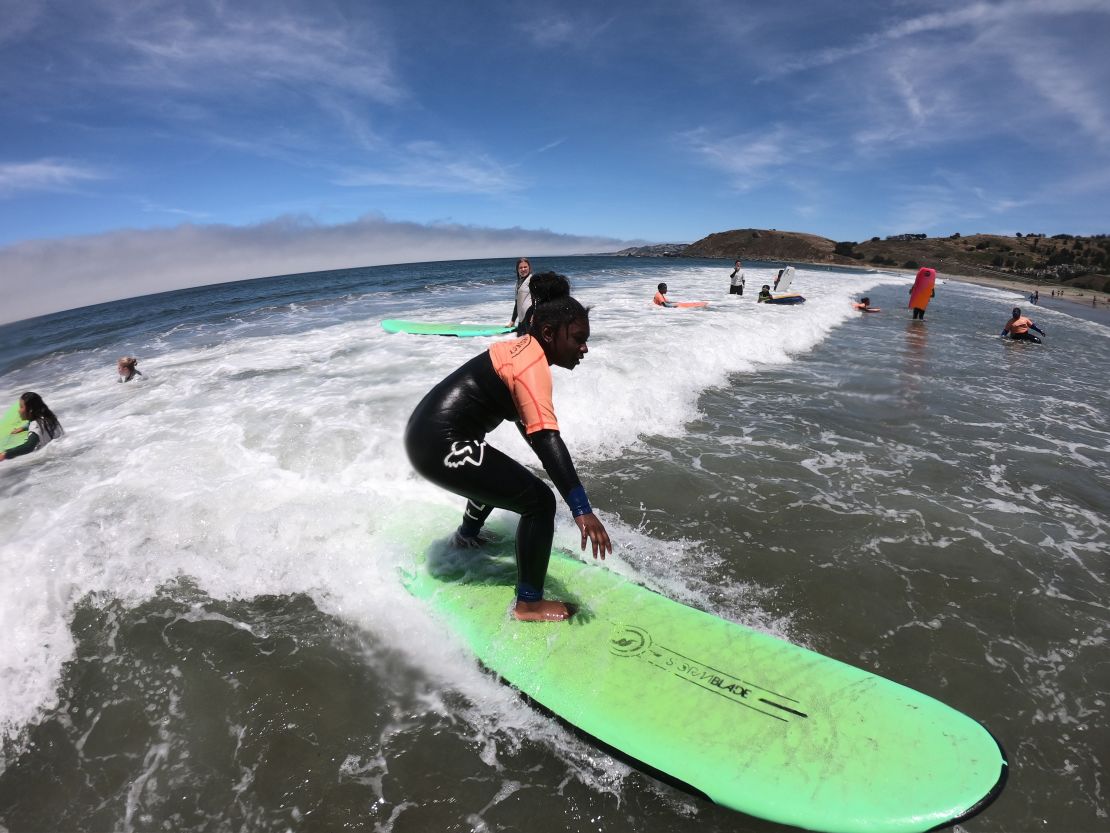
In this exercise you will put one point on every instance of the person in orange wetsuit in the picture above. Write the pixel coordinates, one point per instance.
(1018, 327)
(660, 299)
(445, 441)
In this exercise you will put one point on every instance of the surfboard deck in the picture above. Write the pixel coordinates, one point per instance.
(432, 328)
(789, 298)
(692, 304)
(751, 721)
(8, 421)
(922, 291)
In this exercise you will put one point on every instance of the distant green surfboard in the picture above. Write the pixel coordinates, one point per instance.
(8, 421)
(750, 721)
(431, 328)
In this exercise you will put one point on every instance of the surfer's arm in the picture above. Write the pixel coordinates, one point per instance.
(555, 457)
(26, 447)
(553, 453)
(19, 429)
(1033, 326)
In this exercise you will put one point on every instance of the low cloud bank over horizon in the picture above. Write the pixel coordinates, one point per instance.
(92, 269)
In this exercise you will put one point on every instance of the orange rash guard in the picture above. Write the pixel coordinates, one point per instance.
(522, 365)
(1019, 326)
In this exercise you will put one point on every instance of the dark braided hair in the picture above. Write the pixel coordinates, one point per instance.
(36, 410)
(553, 303)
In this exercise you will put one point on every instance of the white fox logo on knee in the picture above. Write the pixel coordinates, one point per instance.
(468, 451)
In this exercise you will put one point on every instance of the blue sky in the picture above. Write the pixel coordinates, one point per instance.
(148, 145)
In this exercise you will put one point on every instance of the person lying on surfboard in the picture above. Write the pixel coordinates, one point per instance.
(864, 305)
(1018, 328)
(446, 441)
(660, 299)
(42, 426)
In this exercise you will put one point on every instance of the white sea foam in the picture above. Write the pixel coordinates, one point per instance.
(261, 457)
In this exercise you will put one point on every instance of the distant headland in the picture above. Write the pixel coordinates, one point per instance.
(1063, 259)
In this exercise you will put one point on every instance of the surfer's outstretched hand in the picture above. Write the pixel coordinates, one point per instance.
(593, 529)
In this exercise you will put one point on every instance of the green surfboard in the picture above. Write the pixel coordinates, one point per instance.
(431, 328)
(750, 721)
(8, 421)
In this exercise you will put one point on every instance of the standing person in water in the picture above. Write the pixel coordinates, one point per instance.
(445, 440)
(42, 426)
(522, 308)
(1018, 328)
(736, 286)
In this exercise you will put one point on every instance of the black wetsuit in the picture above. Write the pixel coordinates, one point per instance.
(445, 440)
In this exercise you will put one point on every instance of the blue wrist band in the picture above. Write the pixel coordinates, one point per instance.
(578, 502)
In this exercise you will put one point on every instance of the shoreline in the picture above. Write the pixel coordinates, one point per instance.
(1075, 302)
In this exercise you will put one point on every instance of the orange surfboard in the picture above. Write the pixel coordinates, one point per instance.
(922, 288)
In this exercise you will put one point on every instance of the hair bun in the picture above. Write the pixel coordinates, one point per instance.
(549, 286)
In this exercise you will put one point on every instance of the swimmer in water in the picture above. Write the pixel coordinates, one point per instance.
(127, 368)
(1018, 327)
(864, 305)
(42, 426)
(764, 294)
(446, 441)
(660, 299)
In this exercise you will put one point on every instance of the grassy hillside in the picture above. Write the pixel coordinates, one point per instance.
(1063, 259)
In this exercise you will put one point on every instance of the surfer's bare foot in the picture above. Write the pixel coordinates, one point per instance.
(542, 611)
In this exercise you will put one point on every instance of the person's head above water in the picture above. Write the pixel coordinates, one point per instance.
(560, 323)
(1017, 312)
(865, 301)
(523, 267)
(33, 409)
(662, 288)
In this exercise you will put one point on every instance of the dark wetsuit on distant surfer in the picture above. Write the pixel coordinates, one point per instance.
(445, 440)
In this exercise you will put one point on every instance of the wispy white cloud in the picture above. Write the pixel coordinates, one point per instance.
(551, 145)
(220, 47)
(972, 17)
(431, 166)
(561, 29)
(92, 269)
(44, 175)
(748, 159)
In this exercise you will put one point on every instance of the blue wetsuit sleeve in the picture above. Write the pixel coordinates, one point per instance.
(553, 453)
(26, 447)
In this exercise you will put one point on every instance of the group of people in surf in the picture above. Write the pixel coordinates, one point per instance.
(737, 282)
(511, 381)
(39, 423)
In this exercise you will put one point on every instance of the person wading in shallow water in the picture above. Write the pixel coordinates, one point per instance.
(523, 307)
(445, 441)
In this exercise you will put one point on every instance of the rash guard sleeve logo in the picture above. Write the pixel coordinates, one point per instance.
(467, 451)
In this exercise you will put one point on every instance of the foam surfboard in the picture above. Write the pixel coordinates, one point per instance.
(789, 298)
(692, 304)
(922, 291)
(748, 720)
(784, 281)
(8, 421)
(432, 328)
